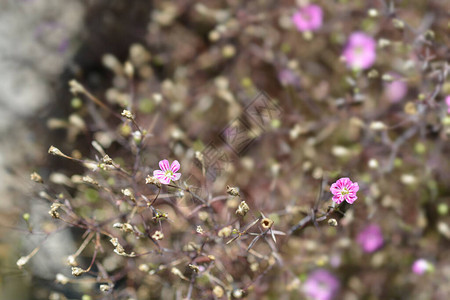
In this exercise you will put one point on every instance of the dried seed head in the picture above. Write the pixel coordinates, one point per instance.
(36, 177)
(54, 210)
(199, 230)
(225, 232)
(152, 180)
(88, 179)
(195, 268)
(107, 160)
(242, 209)
(76, 87)
(233, 191)
(77, 271)
(266, 223)
(218, 291)
(158, 235)
(127, 114)
(126, 227)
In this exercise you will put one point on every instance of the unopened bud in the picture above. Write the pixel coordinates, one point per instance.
(55, 151)
(129, 69)
(36, 177)
(332, 222)
(105, 288)
(377, 126)
(60, 278)
(399, 24)
(22, 261)
(26, 217)
(76, 87)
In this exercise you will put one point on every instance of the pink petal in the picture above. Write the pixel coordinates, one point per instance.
(176, 176)
(351, 199)
(355, 187)
(164, 180)
(164, 165)
(175, 166)
(334, 189)
(158, 173)
(338, 199)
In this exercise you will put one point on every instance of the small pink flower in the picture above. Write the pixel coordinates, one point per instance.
(308, 18)
(447, 101)
(395, 90)
(359, 53)
(168, 173)
(321, 285)
(370, 238)
(421, 266)
(344, 189)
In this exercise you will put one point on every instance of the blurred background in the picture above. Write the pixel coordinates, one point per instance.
(197, 65)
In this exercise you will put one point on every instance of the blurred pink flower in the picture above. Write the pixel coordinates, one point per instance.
(168, 173)
(447, 101)
(308, 18)
(344, 189)
(395, 90)
(288, 77)
(370, 238)
(359, 53)
(321, 285)
(420, 266)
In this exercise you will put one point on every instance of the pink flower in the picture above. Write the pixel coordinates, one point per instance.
(395, 90)
(344, 189)
(421, 266)
(321, 285)
(359, 53)
(308, 18)
(370, 238)
(168, 173)
(447, 101)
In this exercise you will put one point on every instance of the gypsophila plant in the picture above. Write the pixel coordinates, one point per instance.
(220, 156)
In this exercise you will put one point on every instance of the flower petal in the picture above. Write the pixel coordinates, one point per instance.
(164, 165)
(175, 176)
(175, 166)
(158, 173)
(164, 180)
(338, 199)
